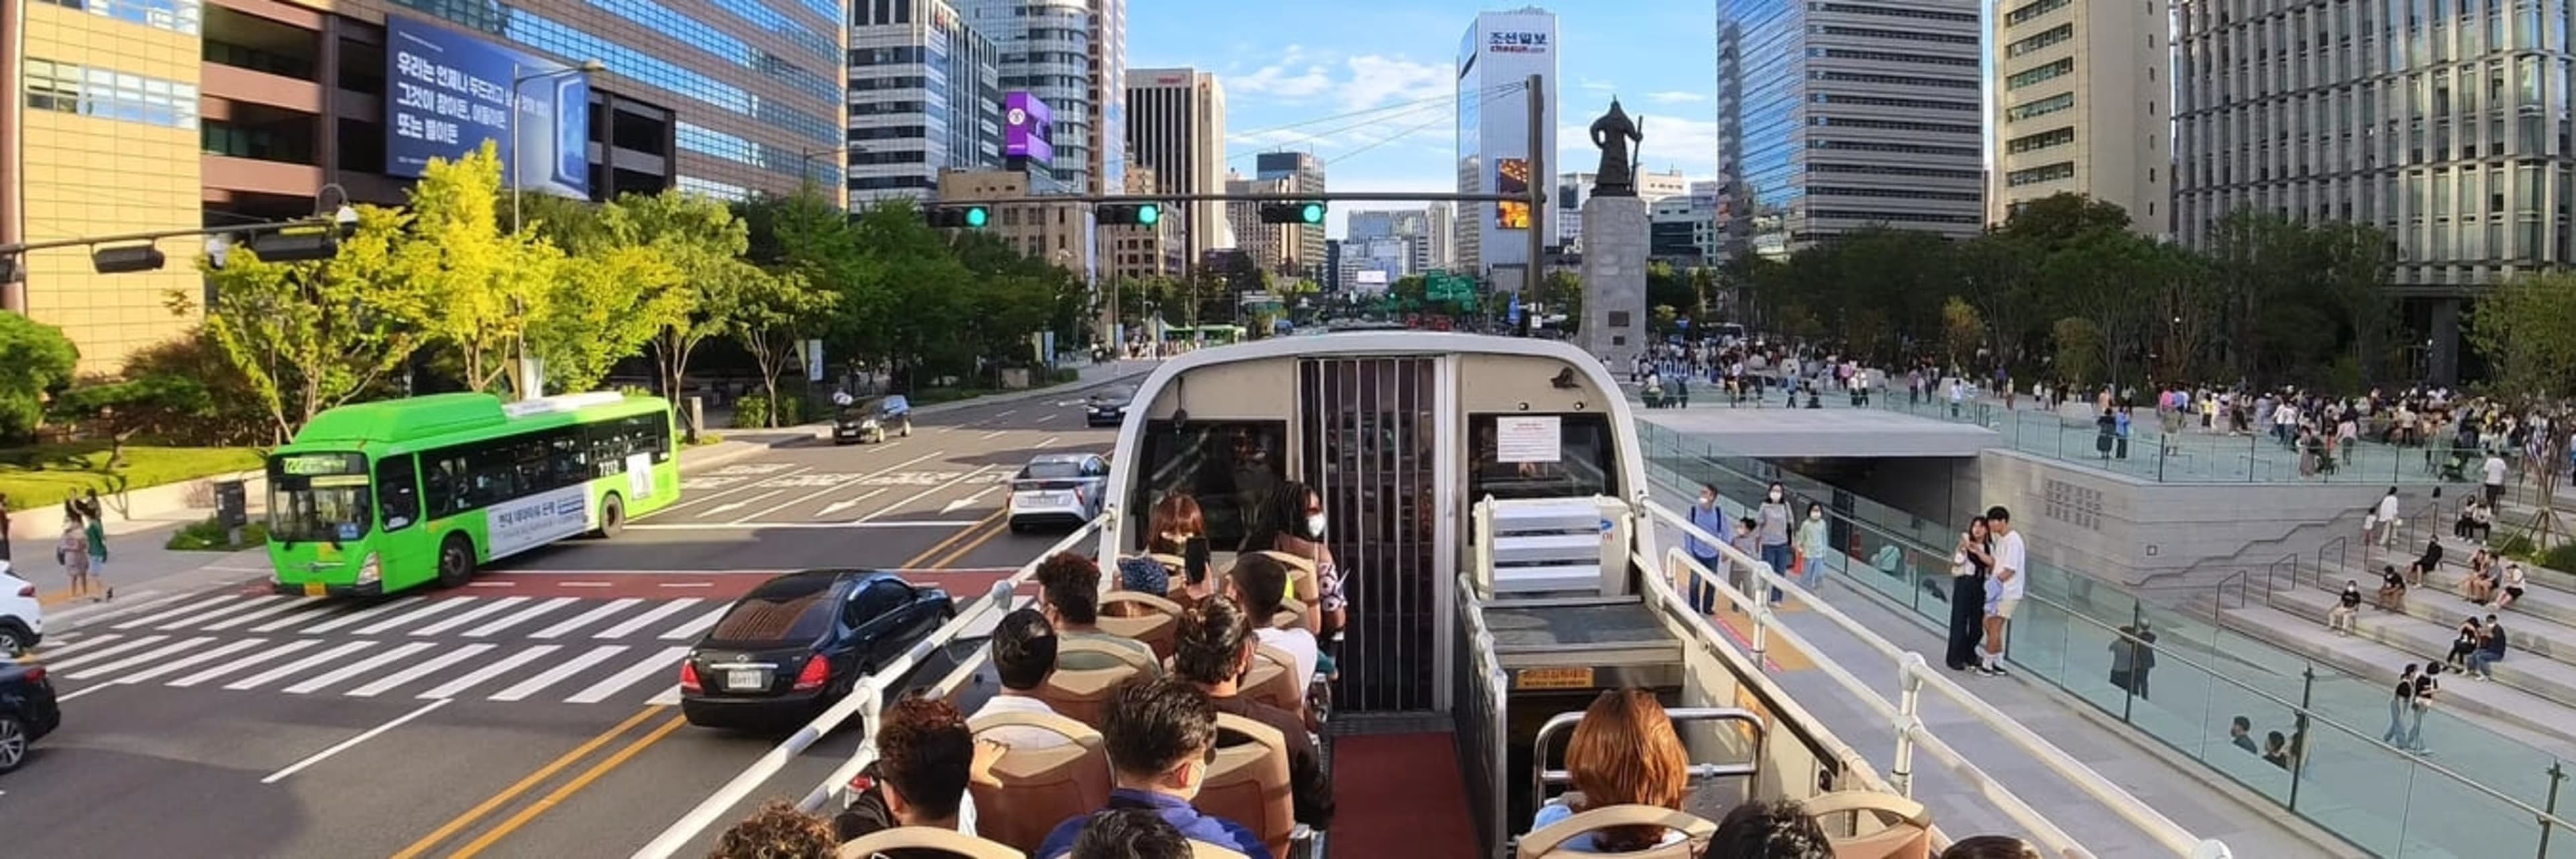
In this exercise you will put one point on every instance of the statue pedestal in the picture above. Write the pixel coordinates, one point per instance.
(1615, 247)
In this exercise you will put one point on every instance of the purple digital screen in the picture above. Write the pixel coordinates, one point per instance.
(1028, 128)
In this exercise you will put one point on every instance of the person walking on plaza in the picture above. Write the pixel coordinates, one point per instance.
(1706, 517)
(2004, 592)
(1775, 516)
(2427, 685)
(1971, 565)
(2399, 702)
(94, 533)
(2386, 518)
(1813, 548)
(72, 551)
(2494, 468)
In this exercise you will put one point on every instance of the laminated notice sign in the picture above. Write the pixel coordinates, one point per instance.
(1528, 439)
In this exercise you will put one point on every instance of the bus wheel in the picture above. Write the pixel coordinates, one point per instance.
(612, 516)
(455, 561)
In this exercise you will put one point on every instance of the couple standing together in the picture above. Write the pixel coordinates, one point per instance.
(1987, 580)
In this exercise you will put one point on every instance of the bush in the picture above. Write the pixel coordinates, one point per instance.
(207, 536)
(751, 412)
(2562, 558)
(791, 409)
(1063, 375)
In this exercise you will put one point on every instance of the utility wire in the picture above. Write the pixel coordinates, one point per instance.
(1435, 106)
(1498, 93)
(1378, 109)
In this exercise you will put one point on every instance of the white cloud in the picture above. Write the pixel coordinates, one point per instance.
(1301, 138)
(1595, 86)
(1379, 80)
(1295, 76)
(1675, 97)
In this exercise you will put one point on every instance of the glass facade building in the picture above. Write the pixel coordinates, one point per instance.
(925, 95)
(2442, 122)
(1071, 54)
(1496, 58)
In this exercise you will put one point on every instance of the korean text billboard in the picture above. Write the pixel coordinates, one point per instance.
(450, 91)
(1028, 128)
(1512, 176)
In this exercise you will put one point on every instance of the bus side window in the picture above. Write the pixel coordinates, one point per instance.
(398, 492)
(444, 480)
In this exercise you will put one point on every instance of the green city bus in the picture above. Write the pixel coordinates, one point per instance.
(375, 498)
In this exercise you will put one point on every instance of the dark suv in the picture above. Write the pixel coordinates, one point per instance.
(27, 711)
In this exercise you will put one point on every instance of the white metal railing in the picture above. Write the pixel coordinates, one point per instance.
(1903, 714)
(1484, 676)
(866, 699)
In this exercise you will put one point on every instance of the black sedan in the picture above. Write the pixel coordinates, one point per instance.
(1108, 406)
(800, 641)
(27, 711)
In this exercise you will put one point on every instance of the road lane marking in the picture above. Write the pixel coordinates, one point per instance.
(461, 821)
(431, 609)
(218, 613)
(668, 696)
(298, 666)
(1005, 414)
(659, 663)
(452, 687)
(967, 501)
(584, 584)
(569, 788)
(589, 617)
(95, 655)
(971, 545)
(754, 482)
(421, 670)
(292, 604)
(133, 660)
(812, 495)
(282, 649)
(191, 660)
(552, 676)
(368, 613)
(686, 585)
(666, 609)
(1049, 442)
(321, 608)
(994, 434)
(696, 625)
(491, 584)
(942, 546)
(179, 612)
(371, 663)
(529, 614)
(352, 742)
(480, 612)
(142, 600)
(924, 494)
(731, 506)
(1044, 418)
(797, 526)
(838, 506)
(76, 644)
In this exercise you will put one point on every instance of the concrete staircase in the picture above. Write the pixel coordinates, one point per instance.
(1548, 545)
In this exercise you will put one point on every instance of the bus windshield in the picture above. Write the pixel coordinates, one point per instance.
(318, 497)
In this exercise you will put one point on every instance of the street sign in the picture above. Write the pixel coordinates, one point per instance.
(813, 360)
(1512, 311)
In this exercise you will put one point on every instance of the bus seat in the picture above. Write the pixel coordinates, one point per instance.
(1549, 842)
(1301, 573)
(1292, 615)
(1145, 617)
(1040, 787)
(1904, 832)
(1273, 680)
(903, 839)
(1249, 784)
(1083, 695)
(1204, 850)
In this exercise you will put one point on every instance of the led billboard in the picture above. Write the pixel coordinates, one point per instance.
(449, 92)
(1028, 128)
(1512, 176)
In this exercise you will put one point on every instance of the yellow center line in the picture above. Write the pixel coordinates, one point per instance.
(568, 789)
(970, 546)
(471, 815)
(943, 545)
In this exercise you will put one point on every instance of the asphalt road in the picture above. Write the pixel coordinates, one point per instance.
(530, 714)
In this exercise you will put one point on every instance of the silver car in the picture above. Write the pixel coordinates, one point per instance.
(1062, 489)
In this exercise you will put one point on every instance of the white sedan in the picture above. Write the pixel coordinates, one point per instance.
(22, 617)
(1063, 489)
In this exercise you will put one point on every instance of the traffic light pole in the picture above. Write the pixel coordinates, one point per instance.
(1537, 197)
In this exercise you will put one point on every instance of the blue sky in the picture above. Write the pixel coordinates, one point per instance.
(1288, 64)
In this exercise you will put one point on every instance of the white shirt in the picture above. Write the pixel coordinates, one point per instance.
(1298, 644)
(2008, 556)
(2388, 509)
(1020, 736)
(2495, 470)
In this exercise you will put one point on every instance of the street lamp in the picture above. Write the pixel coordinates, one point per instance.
(517, 80)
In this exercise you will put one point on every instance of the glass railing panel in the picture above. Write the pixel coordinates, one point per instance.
(2447, 818)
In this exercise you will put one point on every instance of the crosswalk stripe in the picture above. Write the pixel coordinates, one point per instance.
(668, 697)
(291, 604)
(552, 676)
(140, 604)
(198, 658)
(587, 618)
(659, 663)
(58, 646)
(428, 609)
(362, 666)
(133, 659)
(182, 611)
(383, 608)
(487, 609)
(531, 613)
(95, 655)
(282, 649)
(298, 666)
(696, 626)
(322, 608)
(419, 671)
(640, 621)
(227, 611)
(452, 687)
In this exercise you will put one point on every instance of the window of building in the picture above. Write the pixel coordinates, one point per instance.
(2042, 107)
(2042, 140)
(110, 94)
(2033, 9)
(2047, 72)
(2042, 39)
(177, 16)
(2043, 173)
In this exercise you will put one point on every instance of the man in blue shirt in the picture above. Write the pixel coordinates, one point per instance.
(1161, 737)
(1705, 515)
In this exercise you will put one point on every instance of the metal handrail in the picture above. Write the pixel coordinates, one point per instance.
(866, 698)
(1541, 776)
(1485, 664)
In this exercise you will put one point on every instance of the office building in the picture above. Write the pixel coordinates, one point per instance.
(1304, 174)
(176, 114)
(1139, 252)
(1070, 54)
(2082, 97)
(925, 96)
(1057, 232)
(1495, 59)
(2447, 132)
(1837, 116)
(1574, 188)
(1176, 127)
(1332, 279)
(1675, 229)
(1276, 248)
(1424, 230)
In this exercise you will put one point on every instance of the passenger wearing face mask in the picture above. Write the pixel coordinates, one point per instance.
(1813, 553)
(1706, 516)
(1774, 517)
(1300, 517)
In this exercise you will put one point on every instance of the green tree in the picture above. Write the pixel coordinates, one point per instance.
(2526, 328)
(1998, 276)
(2079, 351)
(235, 413)
(703, 242)
(1562, 292)
(121, 408)
(308, 336)
(2108, 276)
(774, 314)
(618, 287)
(36, 362)
(489, 284)
(1961, 329)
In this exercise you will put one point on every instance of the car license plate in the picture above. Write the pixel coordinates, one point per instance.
(316, 589)
(746, 679)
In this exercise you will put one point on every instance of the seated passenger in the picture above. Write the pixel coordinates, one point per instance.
(2481, 583)
(1300, 523)
(1260, 583)
(777, 831)
(1174, 521)
(1990, 847)
(1215, 650)
(1070, 584)
(2512, 585)
(1624, 752)
(2431, 560)
(1129, 834)
(1024, 656)
(1777, 829)
(1161, 736)
(2392, 589)
(2347, 608)
(925, 757)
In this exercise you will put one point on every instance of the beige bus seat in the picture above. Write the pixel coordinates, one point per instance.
(1148, 618)
(1204, 850)
(1301, 582)
(1040, 787)
(1249, 784)
(1083, 695)
(1549, 842)
(1273, 680)
(949, 841)
(1903, 826)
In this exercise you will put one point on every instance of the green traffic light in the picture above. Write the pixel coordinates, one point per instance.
(977, 216)
(1149, 215)
(1313, 213)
